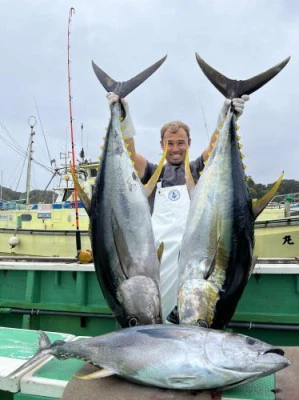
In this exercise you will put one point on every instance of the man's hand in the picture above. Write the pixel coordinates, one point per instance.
(238, 104)
(112, 98)
(127, 124)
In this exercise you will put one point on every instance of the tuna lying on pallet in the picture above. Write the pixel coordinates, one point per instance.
(170, 356)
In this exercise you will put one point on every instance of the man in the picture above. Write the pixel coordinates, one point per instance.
(169, 203)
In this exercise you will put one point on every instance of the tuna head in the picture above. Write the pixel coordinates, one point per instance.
(248, 357)
(140, 297)
(195, 300)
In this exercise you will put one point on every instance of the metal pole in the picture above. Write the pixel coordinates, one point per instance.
(260, 325)
(73, 163)
(32, 123)
(1, 192)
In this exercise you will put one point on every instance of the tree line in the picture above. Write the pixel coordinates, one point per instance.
(35, 196)
(257, 190)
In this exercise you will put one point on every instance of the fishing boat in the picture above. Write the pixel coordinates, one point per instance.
(48, 229)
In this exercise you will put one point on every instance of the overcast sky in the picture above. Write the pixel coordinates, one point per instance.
(123, 37)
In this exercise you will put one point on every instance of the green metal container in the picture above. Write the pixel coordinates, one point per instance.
(62, 301)
(271, 300)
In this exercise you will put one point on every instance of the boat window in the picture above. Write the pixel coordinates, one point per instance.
(26, 217)
(93, 172)
(67, 193)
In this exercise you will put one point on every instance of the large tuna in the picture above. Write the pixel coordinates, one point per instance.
(215, 261)
(169, 356)
(123, 245)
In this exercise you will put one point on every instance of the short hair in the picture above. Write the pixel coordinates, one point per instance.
(174, 126)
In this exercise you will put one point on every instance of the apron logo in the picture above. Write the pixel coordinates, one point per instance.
(174, 195)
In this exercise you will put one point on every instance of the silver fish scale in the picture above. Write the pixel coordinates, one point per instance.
(208, 228)
(121, 221)
(130, 206)
(202, 359)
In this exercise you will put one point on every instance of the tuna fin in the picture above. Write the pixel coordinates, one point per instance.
(150, 185)
(232, 88)
(253, 263)
(44, 341)
(160, 251)
(82, 195)
(122, 89)
(173, 316)
(211, 262)
(211, 265)
(188, 175)
(182, 381)
(121, 246)
(260, 204)
(102, 373)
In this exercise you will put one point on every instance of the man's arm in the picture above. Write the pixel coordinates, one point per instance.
(238, 104)
(129, 132)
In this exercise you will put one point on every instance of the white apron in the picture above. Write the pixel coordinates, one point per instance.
(169, 217)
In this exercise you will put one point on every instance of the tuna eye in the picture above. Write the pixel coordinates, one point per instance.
(202, 324)
(250, 340)
(133, 321)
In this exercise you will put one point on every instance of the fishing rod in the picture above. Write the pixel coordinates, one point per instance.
(73, 165)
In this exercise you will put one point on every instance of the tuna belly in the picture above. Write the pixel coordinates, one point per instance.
(194, 375)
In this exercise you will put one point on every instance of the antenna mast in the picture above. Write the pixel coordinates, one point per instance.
(73, 164)
(32, 123)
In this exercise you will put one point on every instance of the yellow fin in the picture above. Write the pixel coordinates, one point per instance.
(260, 204)
(160, 251)
(188, 175)
(150, 185)
(82, 195)
(101, 373)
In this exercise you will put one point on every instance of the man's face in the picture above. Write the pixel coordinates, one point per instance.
(178, 144)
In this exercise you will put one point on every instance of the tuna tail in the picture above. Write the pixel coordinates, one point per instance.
(45, 349)
(232, 88)
(122, 89)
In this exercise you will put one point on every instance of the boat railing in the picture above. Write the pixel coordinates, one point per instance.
(14, 205)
